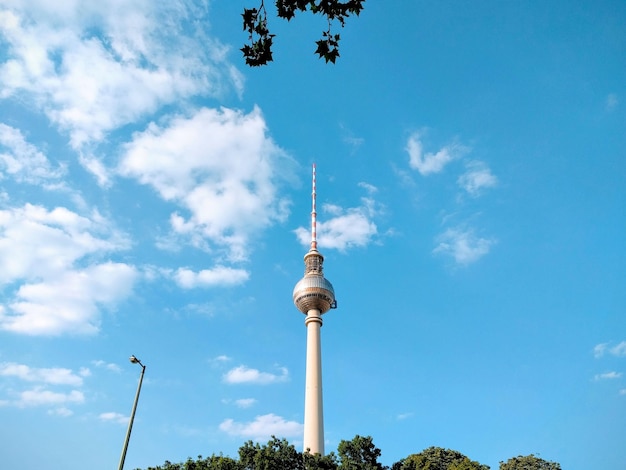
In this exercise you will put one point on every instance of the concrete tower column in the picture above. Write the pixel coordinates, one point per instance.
(313, 403)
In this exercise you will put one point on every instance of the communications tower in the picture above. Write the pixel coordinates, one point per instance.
(313, 295)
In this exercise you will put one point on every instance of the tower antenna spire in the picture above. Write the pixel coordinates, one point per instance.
(313, 215)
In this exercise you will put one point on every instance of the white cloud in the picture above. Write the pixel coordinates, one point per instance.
(263, 427)
(54, 375)
(94, 66)
(371, 189)
(95, 166)
(68, 304)
(477, 177)
(354, 142)
(429, 163)
(599, 349)
(218, 276)
(114, 417)
(618, 350)
(608, 376)
(23, 161)
(40, 252)
(38, 243)
(40, 397)
(221, 359)
(403, 416)
(350, 139)
(243, 374)
(109, 366)
(221, 168)
(462, 245)
(347, 228)
(245, 402)
(61, 411)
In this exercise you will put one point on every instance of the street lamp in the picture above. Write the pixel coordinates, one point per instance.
(134, 360)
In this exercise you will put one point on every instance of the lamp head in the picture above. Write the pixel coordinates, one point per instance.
(134, 360)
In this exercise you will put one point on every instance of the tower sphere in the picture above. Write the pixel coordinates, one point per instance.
(314, 291)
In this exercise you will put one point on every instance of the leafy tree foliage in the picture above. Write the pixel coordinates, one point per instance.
(359, 454)
(277, 454)
(259, 50)
(528, 462)
(320, 462)
(437, 458)
(215, 462)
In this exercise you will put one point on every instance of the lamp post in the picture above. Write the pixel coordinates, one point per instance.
(134, 360)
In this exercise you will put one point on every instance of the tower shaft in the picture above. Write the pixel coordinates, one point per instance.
(313, 404)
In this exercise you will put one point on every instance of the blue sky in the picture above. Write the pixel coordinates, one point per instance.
(155, 200)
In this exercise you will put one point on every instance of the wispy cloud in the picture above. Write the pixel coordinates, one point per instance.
(243, 374)
(431, 162)
(41, 397)
(96, 167)
(53, 375)
(349, 138)
(608, 376)
(599, 350)
(618, 350)
(107, 365)
(370, 188)
(263, 427)
(217, 159)
(462, 245)
(24, 162)
(245, 402)
(61, 411)
(221, 359)
(218, 276)
(114, 417)
(476, 178)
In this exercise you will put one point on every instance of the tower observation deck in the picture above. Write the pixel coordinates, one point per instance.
(313, 295)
